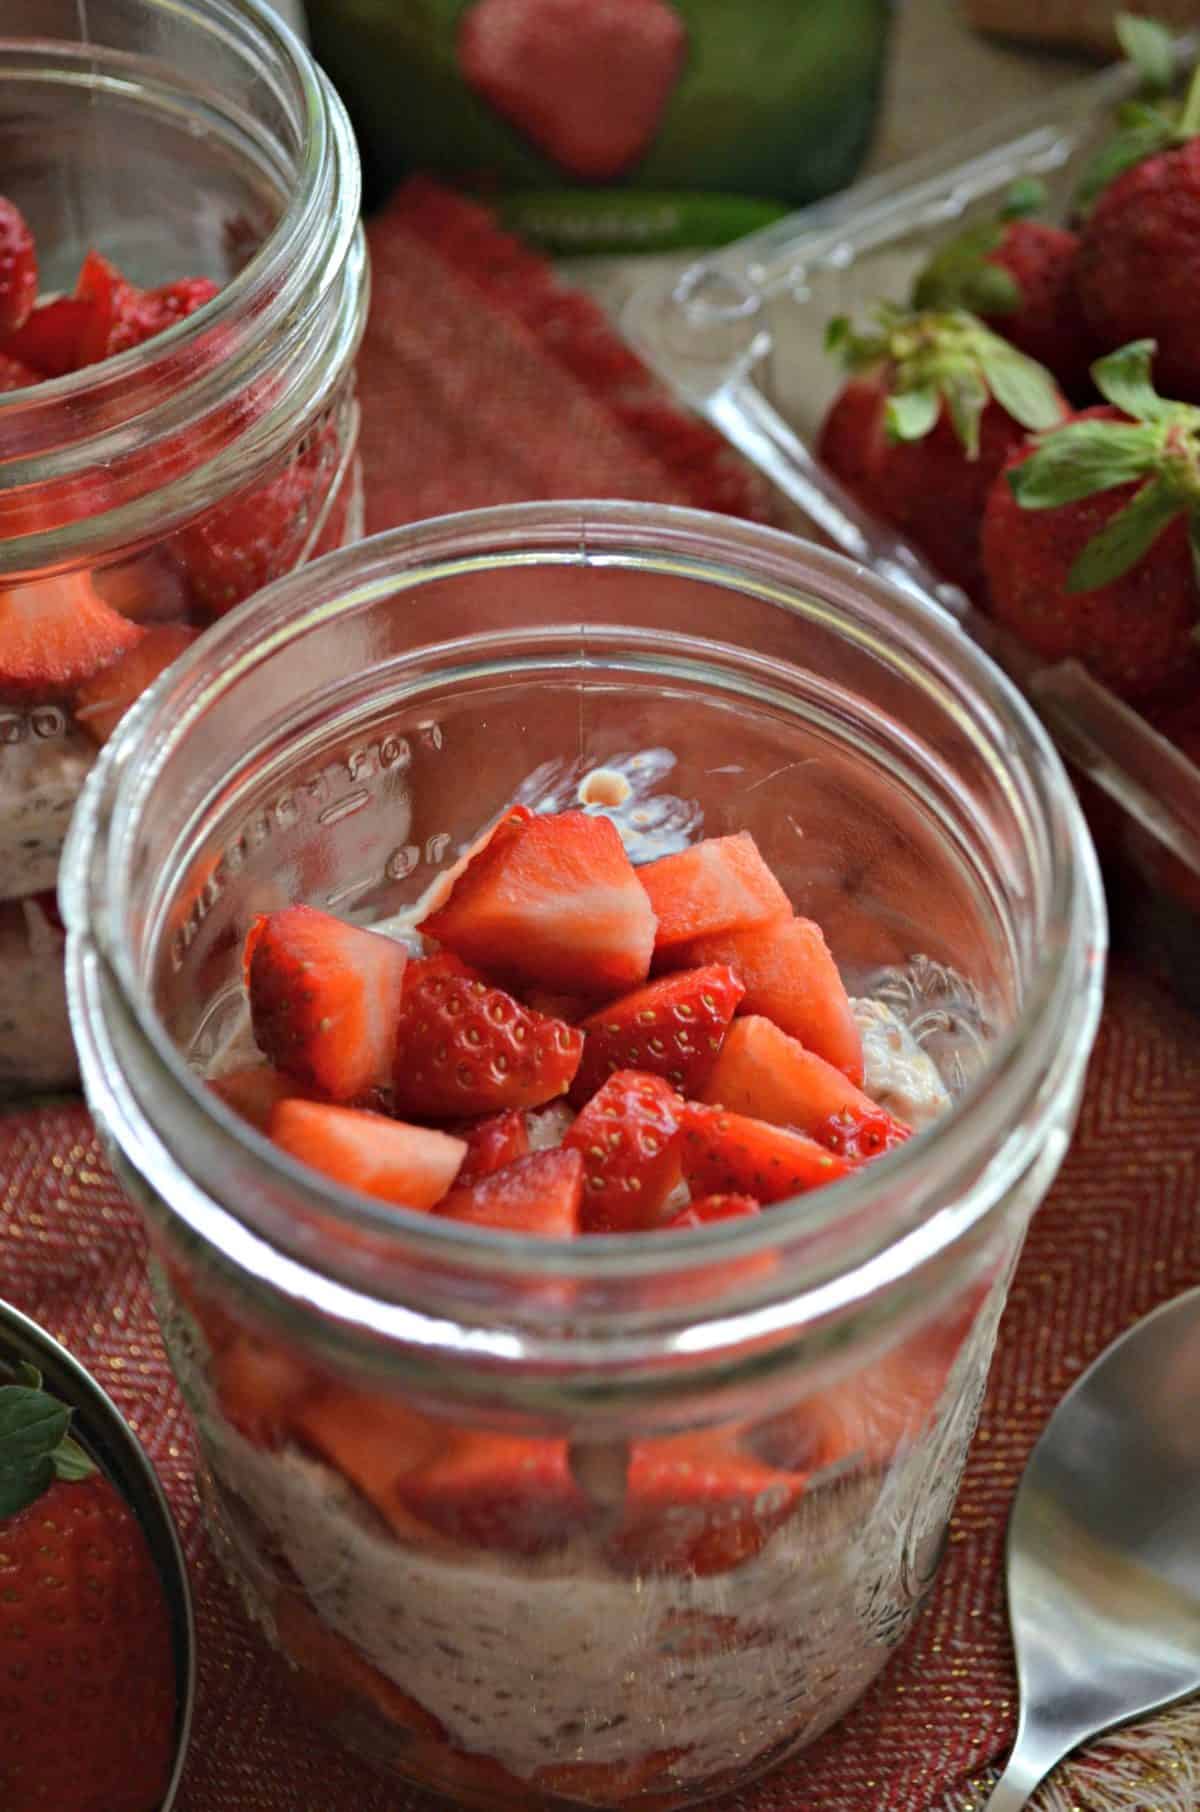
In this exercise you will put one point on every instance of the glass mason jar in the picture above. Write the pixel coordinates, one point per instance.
(168, 482)
(620, 1521)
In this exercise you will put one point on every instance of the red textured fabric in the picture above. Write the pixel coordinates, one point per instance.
(454, 302)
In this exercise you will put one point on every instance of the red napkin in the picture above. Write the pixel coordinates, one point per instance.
(484, 381)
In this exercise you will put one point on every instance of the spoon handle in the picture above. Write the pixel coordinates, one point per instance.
(1017, 1784)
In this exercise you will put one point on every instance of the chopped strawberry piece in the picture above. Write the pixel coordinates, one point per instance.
(492, 1143)
(57, 632)
(552, 67)
(731, 1154)
(102, 701)
(869, 1416)
(628, 1135)
(235, 550)
(555, 903)
(695, 1503)
(790, 977)
(539, 1194)
(464, 1048)
(18, 268)
(722, 884)
(51, 341)
(501, 831)
(607, 1783)
(412, 1166)
(372, 1441)
(336, 1666)
(672, 1028)
(509, 1494)
(255, 1091)
(763, 1072)
(260, 1387)
(122, 315)
(14, 375)
(709, 1208)
(324, 999)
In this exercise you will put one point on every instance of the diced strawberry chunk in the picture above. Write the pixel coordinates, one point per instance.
(504, 1493)
(336, 1666)
(709, 1208)
(555, 903)
(612, 1784)
(324, 999)
(51, 341)
(372, 1442)
(790, 977)
(672, 1028)
(57, 632)
(722, 884)
(628, 1137)
(235, 550)
(869, 1416)
(102, 701)
(14, 375)
(260, 1387)
(18, 268)
(464, 1048)
(412, 1166)
(763, 1072)
(732, 1154)
(500, 831)
(443, 962)
(695, 1503)
(492, 1143)
(538, 1194)
(254, 1092)
(122, 315)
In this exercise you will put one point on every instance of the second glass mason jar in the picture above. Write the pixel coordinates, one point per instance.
(153, 490)
(624, 1520)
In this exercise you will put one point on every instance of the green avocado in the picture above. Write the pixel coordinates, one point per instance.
(775, 103)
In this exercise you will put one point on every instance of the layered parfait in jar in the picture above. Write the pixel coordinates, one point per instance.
(582, 1173)
(167, 443)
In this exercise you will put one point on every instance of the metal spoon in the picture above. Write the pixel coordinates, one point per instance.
(1103, 1552)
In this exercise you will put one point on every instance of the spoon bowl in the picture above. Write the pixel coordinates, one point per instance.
(1103, 1554)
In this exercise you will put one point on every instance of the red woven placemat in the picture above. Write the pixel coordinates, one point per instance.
(484, 381)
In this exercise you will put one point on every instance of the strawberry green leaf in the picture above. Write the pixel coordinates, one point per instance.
(1081, 458)
(35, 1447)
(1120, 153)
(912, 413)
(71, 1462)
(31, 1424)
(1125, 540)
(1028, 195)
(1019, 384)
(837, 332)
(1148, 45)
(1123, 379)
(22, 1485)
(959, 276)
(966, 398)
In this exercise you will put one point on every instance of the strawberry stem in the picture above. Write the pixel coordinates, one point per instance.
(1189, 119)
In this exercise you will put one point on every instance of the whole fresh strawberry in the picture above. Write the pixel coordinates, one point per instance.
(935, 405)
(87, 1677)
(1017, 274)
(1138, 265)
(1090, 535)
(18, 268)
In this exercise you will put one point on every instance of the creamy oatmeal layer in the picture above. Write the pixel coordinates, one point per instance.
(43, 763)
(36, 1048)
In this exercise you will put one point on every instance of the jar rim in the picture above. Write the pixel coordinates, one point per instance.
(154, 393)
(839, 1255)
